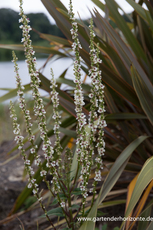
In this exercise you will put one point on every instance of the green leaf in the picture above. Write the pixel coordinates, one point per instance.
(133, 42)
(52, 6)
(150, 227)
(145, 214)
(124, 116)
(52, 38)
(145, 176)
(74, 207)
(66, 229)
(77, 191)
(29, 201)
(71, 83)
(144, 94)
(111, 203)
(104, 227)
(117, 60)
(119, 85)
(55, 201)
(103, 7)
(56, 211)
(13, 93)
(26, 191)
(68, 132)
(126, 56)
(99, 4)
(62, 195)
(119, 166)
(140, 10)
(100, 213)
(6, 89)
(90, 225)
(38, 49)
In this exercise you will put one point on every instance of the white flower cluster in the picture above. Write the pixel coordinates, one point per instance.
(97, 109)
(85, 150)
(56, 116)
(56, 164)
(82, 144)
(35, 81)
(19, 140)
(27, 117)
(22, 104)
(39, 107)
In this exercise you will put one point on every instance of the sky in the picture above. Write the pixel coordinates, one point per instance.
(81, 6)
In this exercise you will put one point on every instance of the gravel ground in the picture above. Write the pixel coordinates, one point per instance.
(11, 184)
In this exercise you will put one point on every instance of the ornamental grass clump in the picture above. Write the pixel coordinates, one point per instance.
(90, 145)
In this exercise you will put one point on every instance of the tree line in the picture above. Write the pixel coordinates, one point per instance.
(11, 34)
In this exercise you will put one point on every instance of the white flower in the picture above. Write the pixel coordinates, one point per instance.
(20, 20)
(29, 185)
(62, 204)
(32, 150)
(34, 191)
(37, 161)
(27, 162)
(43, 173)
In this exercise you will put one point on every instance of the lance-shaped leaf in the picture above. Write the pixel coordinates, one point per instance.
(119, 166)
(144, 94)
(150, 227)
(56, 39)
(145, 214)
(142, 202)
(124, 116)
(144, 178)
(38, 49)
(140, 10)
(131, 39)
(71, 83)
(27, 191)
(52, 6)
(103, 7)
(122, 49)
(13, 93)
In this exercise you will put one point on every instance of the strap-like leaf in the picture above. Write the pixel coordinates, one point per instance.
(39, 49)
(144, 94)
(145, 176)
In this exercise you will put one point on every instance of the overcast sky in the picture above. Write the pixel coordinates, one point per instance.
(33, 6)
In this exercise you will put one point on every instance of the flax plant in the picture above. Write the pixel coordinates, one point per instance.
(62, 187)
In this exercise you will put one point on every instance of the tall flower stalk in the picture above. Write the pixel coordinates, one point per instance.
(96, 115)
(35, 81)
(85, 150)
(38, 107)
(32, 181)
(82, 143)
(56, 116)
(61, 185)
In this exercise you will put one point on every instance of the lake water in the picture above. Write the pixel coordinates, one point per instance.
(7, 74)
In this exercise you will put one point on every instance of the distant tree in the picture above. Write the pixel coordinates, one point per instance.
(9, 27)
(10, 32)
